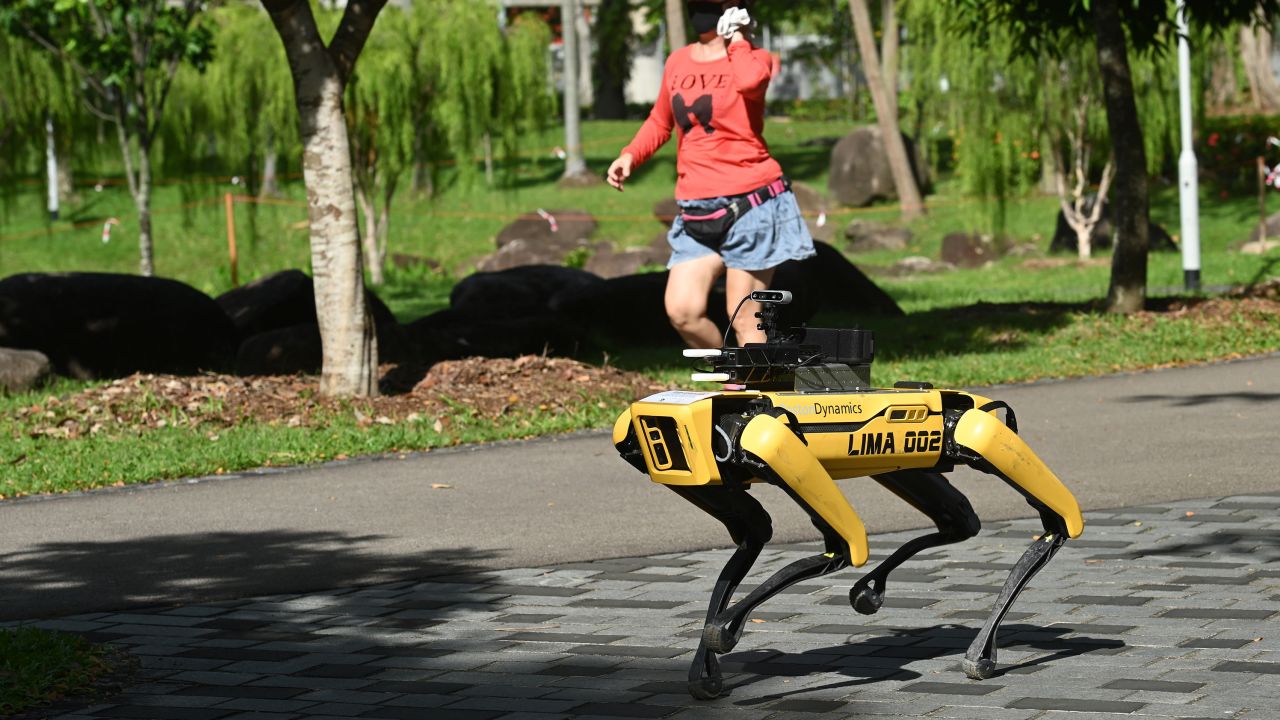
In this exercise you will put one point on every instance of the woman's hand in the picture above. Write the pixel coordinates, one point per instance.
(732, 23)
(620, 170)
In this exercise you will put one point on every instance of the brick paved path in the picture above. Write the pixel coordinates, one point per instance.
(1168, 612)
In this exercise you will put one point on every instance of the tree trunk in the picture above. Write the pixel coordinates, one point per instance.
(613, 57)
(575, 167)
(1128, 289)
(677, 36)
(270, 173)
(586, 79)
(143, 202)
(1220, 95)
(889, 51)
(909, 200)
(369, 238)
(348, 341)
(1255, 55)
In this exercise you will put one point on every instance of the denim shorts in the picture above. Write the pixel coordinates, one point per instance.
(763, 238)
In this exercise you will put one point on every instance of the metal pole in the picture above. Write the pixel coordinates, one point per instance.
(1188, 186)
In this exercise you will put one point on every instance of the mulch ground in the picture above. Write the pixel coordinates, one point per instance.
(483, 387)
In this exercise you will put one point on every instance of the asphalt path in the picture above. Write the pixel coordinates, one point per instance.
(1119, 440)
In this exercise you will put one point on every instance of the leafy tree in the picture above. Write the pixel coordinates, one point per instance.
(35, 88)
(126, 53)
(1046, 27)
(320, 74)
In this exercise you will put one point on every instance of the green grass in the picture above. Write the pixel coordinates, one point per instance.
(963, 328)
(35, 464)
(38, 667)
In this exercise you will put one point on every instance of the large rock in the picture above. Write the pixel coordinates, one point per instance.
(532, 227)
(104, 325)
(23, 370)
(516, 292)
(868, 236)
(1272, 227)
(814, 208)
(452, 334)
(281, 351)
(969, 250)
(628, 310)
(609, 262)
(286, 299)
(829, 282)
(860, 168)
(1064, 238)
(666, 210)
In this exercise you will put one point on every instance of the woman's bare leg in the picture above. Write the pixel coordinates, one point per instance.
(737, 285)
(688, 286)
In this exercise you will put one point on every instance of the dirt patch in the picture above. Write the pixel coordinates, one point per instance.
(484, 387)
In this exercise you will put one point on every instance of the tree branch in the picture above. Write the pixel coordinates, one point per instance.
(348, 41)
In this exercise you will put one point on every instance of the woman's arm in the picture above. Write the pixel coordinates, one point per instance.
(751, 70)
(655, 131)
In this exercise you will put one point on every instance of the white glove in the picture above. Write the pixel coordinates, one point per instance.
(733, 20)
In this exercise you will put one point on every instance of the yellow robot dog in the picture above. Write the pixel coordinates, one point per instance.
(807, 416)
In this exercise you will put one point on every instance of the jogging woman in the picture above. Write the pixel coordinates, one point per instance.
(738, 216)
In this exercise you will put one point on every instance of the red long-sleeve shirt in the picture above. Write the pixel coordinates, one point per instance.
(717, 109)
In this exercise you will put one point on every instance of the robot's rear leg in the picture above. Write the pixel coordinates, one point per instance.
(931, 494)
(723, 632)
(750, 527)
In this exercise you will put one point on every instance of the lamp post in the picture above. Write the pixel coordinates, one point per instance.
(1188, 186)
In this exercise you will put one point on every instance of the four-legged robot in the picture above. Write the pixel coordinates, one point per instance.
(807, 416)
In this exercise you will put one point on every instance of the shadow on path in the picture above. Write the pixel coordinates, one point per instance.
(894, 651)
(1204, 398)
(61, 578)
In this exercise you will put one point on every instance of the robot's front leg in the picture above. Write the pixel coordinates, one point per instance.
(984, 442)
(930, 493)
(980, 660)
(750, 527)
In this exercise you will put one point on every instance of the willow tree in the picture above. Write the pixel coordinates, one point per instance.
(320, 73)
(125, 52)
(209, 118)
(39, 108)
(380, 124)
(1118, 30)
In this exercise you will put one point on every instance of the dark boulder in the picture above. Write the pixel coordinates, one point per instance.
(969, 250)
(860, 168)
(281, 351)
(287, 299)
(23, 370)
(1064, 238)
(608, 262)
(628, 310)
(515, 292)
(105, 325)
(452, 334)
(829, 282)
(532, 227)
(868, 236)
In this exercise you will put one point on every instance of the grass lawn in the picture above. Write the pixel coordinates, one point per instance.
(39, 667)
(1009, 322)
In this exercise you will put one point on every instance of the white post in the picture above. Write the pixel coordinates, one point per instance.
(51, 165)
(1188, 186)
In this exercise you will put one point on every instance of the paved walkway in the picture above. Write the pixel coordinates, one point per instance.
(560, 583)
(1118, 440)
(1157, 612)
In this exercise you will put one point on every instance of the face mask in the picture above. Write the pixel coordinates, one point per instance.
(704, 16)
